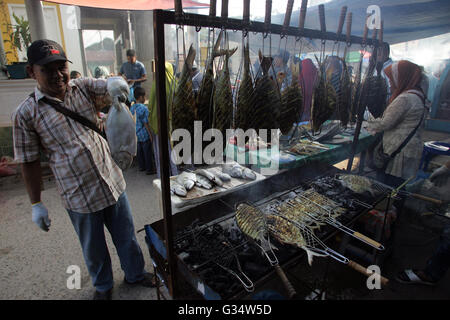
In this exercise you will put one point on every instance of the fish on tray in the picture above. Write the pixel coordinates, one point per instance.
(177, 189)
(187, 180)
(235, 170)
(210, 176)
(203, 182)
(222, 176)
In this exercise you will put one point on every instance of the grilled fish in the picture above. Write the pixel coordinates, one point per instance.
(251, 221)
(187, 180)
(291, 106)
(324, 100)
(184, 108)
(287, 232)
(205, 95)
(267, 99)
(344, 97)
(223, 99)
(298, 211)
(334, 209)
(246, 96)
(298, 216)
(357, 184)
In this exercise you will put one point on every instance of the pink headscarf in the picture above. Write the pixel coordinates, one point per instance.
(307, 79)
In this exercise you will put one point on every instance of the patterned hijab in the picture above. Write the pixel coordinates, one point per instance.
(403, 76)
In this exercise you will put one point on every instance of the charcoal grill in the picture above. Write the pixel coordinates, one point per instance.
(215, 220)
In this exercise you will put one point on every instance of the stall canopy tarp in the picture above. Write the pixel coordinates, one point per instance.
(130, 4)
(404, 20)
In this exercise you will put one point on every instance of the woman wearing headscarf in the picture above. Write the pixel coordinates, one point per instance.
(403, 114)
(307, 79)
(153, 116)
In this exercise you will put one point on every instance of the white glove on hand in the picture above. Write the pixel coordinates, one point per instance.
(40, 216)
(440, 175)
(118, 87)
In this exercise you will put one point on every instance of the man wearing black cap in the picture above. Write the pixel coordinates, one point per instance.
(91, 185)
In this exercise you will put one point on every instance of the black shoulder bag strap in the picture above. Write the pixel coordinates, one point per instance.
(73, 115)
(392, 156)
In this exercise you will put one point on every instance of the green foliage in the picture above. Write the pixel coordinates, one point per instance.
(20, 36)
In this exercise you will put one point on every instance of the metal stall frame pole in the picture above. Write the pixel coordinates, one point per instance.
(163, 138)
(359, 113)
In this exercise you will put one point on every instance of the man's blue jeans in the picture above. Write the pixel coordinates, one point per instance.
(90, 230)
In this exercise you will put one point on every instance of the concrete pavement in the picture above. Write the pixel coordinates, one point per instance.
(33, 263)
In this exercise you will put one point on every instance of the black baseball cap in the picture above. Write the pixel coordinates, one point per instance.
(41, 52)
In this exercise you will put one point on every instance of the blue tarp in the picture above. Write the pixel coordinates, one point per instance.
(404, 20)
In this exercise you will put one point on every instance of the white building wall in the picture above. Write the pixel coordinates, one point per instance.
(70, 17)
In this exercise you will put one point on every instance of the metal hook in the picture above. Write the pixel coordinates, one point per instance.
(198, 28)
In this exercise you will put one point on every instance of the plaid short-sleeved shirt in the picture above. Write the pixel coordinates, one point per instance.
(87, 177)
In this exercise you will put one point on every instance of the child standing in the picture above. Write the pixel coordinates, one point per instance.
(144, 145)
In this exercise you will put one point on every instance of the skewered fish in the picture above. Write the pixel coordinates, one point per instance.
(344, 98)
(184, 102)
(187, 180)
(287, 232)
(223, 99)
(205, 95)
(178, 189)
(356, 183)
(246, 96)
(324, 100)
(203, 182)
(251, 221)
(291, 106)
(267, 99)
